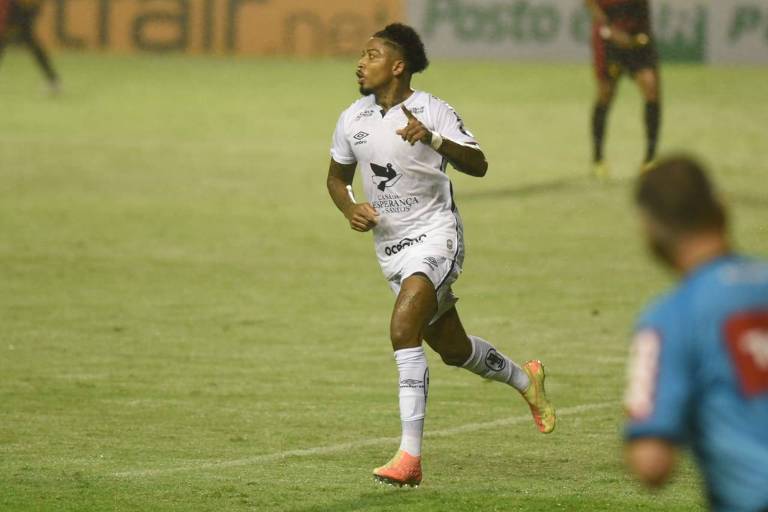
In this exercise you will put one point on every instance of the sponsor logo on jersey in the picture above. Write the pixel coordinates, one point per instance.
(449, 244)
(494, 361)
(384, 177)
(755, 343)
(747, 338)
(393, 203)
(417, 110)
(365, 113)
(360, 138)
(404, 244)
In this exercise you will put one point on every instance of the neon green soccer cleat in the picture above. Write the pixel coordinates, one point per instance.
(647, 166)
(542, 410)
(601, 171)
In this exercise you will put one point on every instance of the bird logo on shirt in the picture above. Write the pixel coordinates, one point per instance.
(384, 177)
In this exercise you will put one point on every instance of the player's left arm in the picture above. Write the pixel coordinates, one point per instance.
(467, 159)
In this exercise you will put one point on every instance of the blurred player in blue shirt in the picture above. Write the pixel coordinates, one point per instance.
(698, 373)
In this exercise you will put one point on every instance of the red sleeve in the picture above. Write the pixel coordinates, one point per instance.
(5, 7)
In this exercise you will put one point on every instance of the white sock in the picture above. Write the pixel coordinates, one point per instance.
(489, 363)
(414, 384)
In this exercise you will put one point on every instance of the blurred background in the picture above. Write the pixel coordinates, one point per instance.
(697, 31)
(186, 320)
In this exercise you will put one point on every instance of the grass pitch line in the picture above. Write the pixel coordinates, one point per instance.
(323, 450)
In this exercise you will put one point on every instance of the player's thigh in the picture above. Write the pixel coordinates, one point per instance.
(415, 304)
(647, 80)
(447, 337)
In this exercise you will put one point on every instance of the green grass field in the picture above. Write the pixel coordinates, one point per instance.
(186, 322)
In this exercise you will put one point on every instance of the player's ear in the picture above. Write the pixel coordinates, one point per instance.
(398, 67)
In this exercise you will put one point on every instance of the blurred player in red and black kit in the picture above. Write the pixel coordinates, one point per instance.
(622, 41)
(17, 22)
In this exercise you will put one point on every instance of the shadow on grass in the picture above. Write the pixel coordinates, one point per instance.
(543, 188)
(748, 200)
(573, 183)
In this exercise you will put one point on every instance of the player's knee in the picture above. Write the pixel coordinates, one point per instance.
(652, 96)
(650, 92)
(403, 336)
(604, 98)
(605, 94)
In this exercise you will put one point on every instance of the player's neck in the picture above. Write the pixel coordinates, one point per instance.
(699, 250)
(395, 93)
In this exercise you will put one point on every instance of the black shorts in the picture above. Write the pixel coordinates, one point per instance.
(16, 21)
(23, 16)
(611, 61)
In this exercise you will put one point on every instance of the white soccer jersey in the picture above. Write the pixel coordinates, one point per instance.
(406, 184)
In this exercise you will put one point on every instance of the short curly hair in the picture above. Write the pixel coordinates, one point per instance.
(407, 40)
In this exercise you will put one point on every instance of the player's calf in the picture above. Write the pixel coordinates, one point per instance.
(455, 355)
(489, 363)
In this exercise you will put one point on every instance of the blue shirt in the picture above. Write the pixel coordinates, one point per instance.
(699, 377)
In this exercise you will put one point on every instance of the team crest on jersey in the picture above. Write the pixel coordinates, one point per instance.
(384, 177)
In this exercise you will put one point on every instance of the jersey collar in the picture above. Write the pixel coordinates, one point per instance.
(397, 106)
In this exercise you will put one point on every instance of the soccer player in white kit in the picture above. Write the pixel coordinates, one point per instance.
(402, 141)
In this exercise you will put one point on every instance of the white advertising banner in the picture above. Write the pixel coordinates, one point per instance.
(738, 31)
(513, 29)
(685, 30)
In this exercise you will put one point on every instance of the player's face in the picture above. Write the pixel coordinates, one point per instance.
(379, 64)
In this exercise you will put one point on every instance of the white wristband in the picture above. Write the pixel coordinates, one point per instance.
(437, 141)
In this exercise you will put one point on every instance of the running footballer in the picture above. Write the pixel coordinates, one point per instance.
(400, 141)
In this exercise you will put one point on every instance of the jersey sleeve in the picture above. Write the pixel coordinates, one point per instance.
(449, 124)
(341, 150)
(659, 387)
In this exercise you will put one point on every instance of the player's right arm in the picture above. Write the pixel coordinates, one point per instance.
(362, 217)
